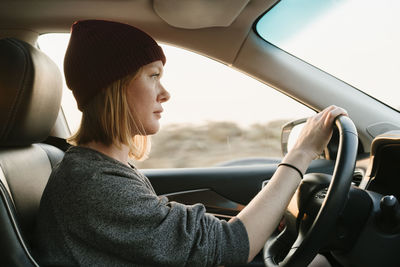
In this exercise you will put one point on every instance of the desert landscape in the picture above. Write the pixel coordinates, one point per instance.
(212, 143)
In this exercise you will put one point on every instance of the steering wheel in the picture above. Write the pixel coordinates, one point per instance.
(313, 237)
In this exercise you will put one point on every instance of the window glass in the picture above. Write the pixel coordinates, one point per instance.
(354, 40)
(216, 114)
(55, 45)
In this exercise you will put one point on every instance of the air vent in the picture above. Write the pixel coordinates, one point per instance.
(358, 175)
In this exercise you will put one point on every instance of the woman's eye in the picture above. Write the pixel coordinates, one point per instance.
(155, 75)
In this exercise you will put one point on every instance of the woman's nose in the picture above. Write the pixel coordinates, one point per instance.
(164, 95)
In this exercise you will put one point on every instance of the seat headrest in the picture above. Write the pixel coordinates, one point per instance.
(30, 93)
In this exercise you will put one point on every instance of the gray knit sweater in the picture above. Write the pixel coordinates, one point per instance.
(96, 211)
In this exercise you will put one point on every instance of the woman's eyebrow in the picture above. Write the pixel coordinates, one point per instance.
(160, 69)
(153, 68)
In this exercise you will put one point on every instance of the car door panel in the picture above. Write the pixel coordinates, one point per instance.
(223, 190)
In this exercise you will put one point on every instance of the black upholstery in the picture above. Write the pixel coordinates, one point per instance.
(30, 96)
(30, 85)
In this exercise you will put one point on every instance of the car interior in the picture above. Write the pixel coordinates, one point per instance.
(345, 208)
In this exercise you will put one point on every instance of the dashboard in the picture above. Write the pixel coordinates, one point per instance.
(383, 174)
(372, 217)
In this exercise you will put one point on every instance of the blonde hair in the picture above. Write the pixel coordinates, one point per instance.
(108, 119)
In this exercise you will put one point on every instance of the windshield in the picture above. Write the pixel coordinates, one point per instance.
(357, 41)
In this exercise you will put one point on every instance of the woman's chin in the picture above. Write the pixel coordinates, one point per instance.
(153, 129)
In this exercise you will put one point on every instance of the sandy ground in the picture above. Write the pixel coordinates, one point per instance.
(180, 146)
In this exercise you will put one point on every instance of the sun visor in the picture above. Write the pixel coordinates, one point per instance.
(197, 14)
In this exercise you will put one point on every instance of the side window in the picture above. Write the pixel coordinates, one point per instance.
(215, 115)
(55, 45)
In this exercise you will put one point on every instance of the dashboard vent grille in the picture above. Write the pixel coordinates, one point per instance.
(357, 176)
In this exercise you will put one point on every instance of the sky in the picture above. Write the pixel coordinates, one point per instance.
(355, 40)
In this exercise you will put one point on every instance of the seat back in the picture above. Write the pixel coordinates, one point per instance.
(30, 96)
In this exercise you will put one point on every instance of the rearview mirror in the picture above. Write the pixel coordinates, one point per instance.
(290, 134)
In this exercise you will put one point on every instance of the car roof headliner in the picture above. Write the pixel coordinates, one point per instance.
(219, 42)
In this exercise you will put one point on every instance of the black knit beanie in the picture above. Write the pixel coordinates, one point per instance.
(101, 52)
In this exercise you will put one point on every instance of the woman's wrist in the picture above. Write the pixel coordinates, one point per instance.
(298, 158)
(301, 174)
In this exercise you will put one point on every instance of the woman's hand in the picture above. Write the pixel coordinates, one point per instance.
(317, 132)
(261, 216)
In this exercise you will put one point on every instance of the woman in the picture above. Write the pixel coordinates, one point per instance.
(99, 210)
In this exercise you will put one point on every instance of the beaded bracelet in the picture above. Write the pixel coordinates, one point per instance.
(293, 167)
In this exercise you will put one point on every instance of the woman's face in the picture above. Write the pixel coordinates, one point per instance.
(145, 95)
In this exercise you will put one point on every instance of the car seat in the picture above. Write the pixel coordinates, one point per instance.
(30, 96)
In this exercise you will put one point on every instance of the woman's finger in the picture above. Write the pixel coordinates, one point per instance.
(333, 114)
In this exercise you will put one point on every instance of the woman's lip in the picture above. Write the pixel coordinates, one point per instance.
(158, 113)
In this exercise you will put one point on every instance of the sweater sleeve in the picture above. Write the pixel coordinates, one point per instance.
(124, 217)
